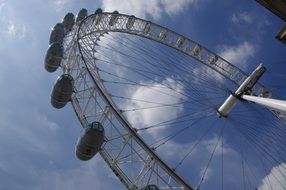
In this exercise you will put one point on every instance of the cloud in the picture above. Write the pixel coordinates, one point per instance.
(247, 28)
(105, 52)
(206, 173)
(275, 179)
(145, 8)
(155, 92)
(172, 7)
(138, 8)
(61, 3)
(18, 31)
(2, 5)
(238, 54)
(211, 143)
(243, 17)
(38, 153)
(28, 132)
(93, 174)
(11, 25)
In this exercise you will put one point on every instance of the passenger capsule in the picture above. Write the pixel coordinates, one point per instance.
(151, 187)
(53, 57)
(163, 34)
(113, 18)
(147, 27)
(90, 141)
(130, 22)
(62, 91)
(68, 22)
(98, 11)
(180, 42)
(98, 16)
(213, 60)
(57, 34)
(197, 49)
(81, 15)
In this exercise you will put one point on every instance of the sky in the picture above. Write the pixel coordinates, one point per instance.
(37, 142)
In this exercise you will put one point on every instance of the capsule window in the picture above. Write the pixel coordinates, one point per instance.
(96, 125)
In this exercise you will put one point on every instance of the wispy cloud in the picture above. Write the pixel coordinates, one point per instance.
(246, 29)
(11, 25)
(238, 54)
(2, 5)
(16, 31)
(60, 5)
(61, 2)
(174, 7)
(211, 145)
(138, 8)
(206, 173)
(275, 179)
(92, 175)
(147, 8)
(242, 17)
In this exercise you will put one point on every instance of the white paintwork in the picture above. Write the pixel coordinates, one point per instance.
(268, 102)
(231, 101)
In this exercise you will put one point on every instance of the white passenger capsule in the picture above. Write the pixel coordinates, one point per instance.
(53, 57)
(81, 15)
(68, 22)
(90, 141)
(57, 34)
(62, 91)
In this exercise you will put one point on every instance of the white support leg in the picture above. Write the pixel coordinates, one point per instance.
(268, 102)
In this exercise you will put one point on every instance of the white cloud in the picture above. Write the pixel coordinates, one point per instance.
(18, 31)
(30, 134)
(156, 92)
(243, 17)
(206, 173)
(144, 8)
(238, 54)
(93, 174)
(59, 5)
(2, 5)
(138, 8)
(108, 54)
(61, 2)
(11, 25)
(211, 143)
(12, 29)
(178, 151)
(172, 7)
(274, 179)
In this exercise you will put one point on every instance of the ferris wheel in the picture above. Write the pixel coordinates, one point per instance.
(163, 111)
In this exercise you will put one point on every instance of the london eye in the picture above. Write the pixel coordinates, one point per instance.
(163, 111)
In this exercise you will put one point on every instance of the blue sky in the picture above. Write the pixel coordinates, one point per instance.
(37, 141)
